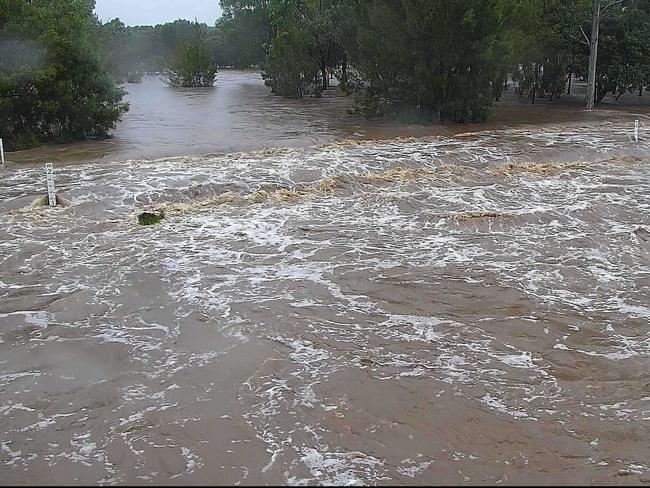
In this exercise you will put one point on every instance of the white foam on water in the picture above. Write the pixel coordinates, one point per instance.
(340, 469)
(466, 276)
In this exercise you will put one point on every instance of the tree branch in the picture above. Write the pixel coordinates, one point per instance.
(588, 41)
(609, 5)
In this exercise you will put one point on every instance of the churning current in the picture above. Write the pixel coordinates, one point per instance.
(468, 308)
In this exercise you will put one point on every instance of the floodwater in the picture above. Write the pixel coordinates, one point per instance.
(240, 114)
(460, 308)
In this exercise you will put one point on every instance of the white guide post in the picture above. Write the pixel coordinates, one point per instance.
(51, 194)
(636, 131)
(2, 152)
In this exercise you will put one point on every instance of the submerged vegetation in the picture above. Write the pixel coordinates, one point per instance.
(62, 71)
(52, 83)
(150, 218)
(192, 64)
(446, 59)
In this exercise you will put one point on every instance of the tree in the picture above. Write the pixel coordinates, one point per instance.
(447, 59)
(436, 58)
(538, 36)
(113, 40)
(192, 64)
(60, 91)
(305, 30)
(242, 33)
(596, 15)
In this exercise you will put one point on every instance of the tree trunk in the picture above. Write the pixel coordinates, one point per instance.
(568, 91)
(325, 79)
(593, 54)
(640, 90)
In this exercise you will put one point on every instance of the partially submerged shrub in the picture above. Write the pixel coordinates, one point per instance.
(192, 64)
(150, 218)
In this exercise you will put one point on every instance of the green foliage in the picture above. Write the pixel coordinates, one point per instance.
(444, 58)
(304, 47)
(291, 70)
(437, 57)
(548, 40)
(150, 218)
(112, 39)
(623, 51)
(237, 40)
(140, 49)
(58, 91)
(539, 35)
(242, 33)
(192, 64)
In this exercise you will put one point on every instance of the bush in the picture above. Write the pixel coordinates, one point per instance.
(150, 218)
(192, 64)
(63, 93)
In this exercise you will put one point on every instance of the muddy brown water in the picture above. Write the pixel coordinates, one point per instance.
(468, 307)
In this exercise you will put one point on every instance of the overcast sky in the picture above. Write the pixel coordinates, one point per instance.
(152, 12)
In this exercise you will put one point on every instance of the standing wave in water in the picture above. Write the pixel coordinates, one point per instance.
(444, 309)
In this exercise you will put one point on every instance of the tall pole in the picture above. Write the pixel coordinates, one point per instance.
(593, 54)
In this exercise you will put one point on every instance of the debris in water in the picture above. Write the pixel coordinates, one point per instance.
(150, 218)
(328, 185)
(399, 174)
(642, 233)
(477, 215)
(463, 216)
(546, 169)
(44, 201)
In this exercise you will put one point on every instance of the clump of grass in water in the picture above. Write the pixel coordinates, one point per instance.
(150, 218)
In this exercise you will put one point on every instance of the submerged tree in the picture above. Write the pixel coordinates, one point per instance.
(57, 89)
(436, 58)
(539, 37)
(445, 59)
(621, 48)
(305, 45)
(192, 64)
(242, 33)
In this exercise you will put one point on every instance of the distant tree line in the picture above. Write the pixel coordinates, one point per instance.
(151, 49)
(444, 59)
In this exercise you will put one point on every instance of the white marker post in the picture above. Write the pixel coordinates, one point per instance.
(51, 193)
(2, 152)
(636, 131)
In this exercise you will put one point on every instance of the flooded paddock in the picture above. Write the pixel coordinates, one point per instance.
(241, 114)
(462, 308)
